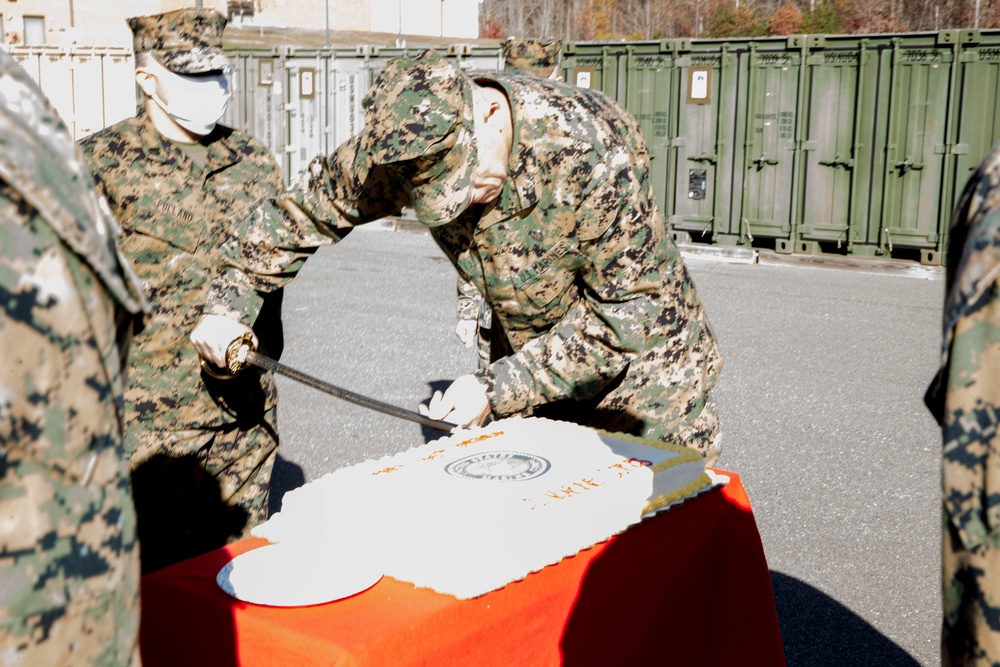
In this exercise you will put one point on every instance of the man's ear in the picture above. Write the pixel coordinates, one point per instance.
(483, 106)
(494, 107)
(145, 81)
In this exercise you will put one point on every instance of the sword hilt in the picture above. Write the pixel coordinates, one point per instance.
(237, 359)
(238, 352)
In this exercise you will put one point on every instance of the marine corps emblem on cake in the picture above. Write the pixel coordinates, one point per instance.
(499, 466)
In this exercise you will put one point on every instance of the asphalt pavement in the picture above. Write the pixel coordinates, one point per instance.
(820, 399)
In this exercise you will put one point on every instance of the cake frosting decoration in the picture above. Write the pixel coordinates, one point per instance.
(483, 507)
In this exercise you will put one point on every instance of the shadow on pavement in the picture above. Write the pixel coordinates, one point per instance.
(179, 511)
(818, 631)
(287, 476)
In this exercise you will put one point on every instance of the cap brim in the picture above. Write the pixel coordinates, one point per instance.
(195, 61)
(446, 188)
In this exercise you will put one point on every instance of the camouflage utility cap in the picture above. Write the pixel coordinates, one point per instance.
(186, 41)
(418, 116)
(531, 56)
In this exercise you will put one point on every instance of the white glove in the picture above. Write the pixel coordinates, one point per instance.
(464, 403)
(213, 334)
(466, 332)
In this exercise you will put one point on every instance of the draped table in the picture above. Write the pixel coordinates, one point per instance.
(688, 586)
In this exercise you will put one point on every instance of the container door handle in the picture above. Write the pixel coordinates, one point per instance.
(704, 157)
(838, 162)
(907, 165)
(763, 160)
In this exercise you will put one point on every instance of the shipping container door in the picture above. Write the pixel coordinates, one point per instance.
(837, 148)
(350, 83)
(915, 148)
(649, 90)
(88, 78)
(238, 113)
(259, 89)
(769, 160)
(592, 66)
(90, 88)
(118, 87)
(979, 113)
(55, 77)
(703, 146)
(305, 110)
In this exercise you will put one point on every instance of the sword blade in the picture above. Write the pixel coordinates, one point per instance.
(267, 363)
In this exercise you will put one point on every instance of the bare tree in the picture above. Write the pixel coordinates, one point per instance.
(641, 19)
(580, 20)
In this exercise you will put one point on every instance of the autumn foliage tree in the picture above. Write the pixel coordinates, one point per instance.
(822, 18)
(599, 20)
(634, 20)
(787, 20)
(491, 29)
(736, 21)
(991, 17)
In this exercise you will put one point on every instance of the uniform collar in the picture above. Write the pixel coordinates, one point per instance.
(221, 150)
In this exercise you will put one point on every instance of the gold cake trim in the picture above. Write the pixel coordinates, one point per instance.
(687, 454)
(682, 493)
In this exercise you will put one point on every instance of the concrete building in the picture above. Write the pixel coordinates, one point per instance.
(66, 23)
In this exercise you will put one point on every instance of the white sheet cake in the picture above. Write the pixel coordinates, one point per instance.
(471, 512)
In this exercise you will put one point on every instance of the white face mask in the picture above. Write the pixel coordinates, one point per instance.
(196, 103)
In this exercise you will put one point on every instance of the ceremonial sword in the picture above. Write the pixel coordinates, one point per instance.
(241, 354)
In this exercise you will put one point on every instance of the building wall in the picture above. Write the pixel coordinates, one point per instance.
(312, 14)
(102, 22)
(85, 22)
(445, 18)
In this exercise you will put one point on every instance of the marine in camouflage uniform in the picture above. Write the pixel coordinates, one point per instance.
(69, 562)
(965, 399)
(600, 313)
(201, 449)
(533, 57)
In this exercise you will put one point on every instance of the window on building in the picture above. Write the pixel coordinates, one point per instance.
(34, 31)
(240, 8)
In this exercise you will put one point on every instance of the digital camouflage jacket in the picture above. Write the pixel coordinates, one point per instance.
(573, 257)
(965, 399)
(174, 242)
(69, 569)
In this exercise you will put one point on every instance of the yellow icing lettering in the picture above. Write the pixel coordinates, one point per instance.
(479, 438)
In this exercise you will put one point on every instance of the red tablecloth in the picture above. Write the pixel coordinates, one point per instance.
(689, 586)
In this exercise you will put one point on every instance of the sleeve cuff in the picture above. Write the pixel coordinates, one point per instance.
(508, 387)
(232, 296)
